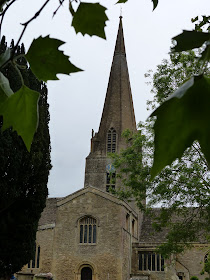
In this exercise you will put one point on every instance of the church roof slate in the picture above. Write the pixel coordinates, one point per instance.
(49, 213)
(149, 235)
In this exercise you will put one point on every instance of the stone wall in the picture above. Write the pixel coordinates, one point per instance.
(188, 264)
(109, 257)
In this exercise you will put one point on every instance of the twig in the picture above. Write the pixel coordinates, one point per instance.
(3, 14)
(27, 23)
(61, 3)
(23, 31)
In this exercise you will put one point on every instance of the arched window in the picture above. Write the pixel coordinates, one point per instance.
(111, 140)
(87, 230)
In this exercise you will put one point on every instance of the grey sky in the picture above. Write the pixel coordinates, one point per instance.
(76, 101)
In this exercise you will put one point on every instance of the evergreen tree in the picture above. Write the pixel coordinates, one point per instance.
(23, 178)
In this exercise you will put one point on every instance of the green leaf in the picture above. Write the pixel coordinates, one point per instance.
(46, 61)
(20, 111)
(5, 56)
(194, 19)
(182, 119)
(188, 40)
(5, 90)
(155, 3)
(90, 19)
(2, 3)
(121, 1)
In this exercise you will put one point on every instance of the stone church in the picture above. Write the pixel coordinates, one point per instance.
(91, 234)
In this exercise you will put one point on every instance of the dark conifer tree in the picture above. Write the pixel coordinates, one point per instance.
(23, 178)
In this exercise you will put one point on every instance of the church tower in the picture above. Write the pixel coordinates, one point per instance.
(118, 115)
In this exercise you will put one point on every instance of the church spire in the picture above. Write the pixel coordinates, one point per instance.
(118, 115)
(120, 45)
(118, 109)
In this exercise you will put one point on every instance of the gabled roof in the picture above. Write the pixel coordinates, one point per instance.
(48, 216)
(98, 192)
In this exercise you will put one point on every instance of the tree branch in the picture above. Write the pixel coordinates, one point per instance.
(61, 3)
(3, 14)
(28, 22)
(23, 31)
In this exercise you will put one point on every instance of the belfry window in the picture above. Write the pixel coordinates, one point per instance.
(87, 230)
(151, 261)
(110, 181)
(34, 263)
(111, 140)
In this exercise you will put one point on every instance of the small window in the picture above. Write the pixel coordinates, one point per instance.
(151, 261)
(133, 227)
(110, 181)
(34, 263)
(206, 258)
(87, 230)
(111, 140)
(180, 275)
(128, 222)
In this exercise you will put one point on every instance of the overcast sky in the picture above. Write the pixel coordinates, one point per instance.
(76, 101)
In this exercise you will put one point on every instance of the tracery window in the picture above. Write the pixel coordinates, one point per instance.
(111, 140)
(151, 261)
(87, 230)
(34, 263)
(110, 180)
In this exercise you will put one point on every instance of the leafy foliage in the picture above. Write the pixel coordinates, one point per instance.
(23, 176)
(5, 56)
(194, 278)
(121, 1)
(5, 90)
(20, 111)
(181, 189)
(190, 40)
(180, 121)
(43, 56)
(178, 189)
(90, 19)
(171, 74)
(46, 60)
(155, 3)
(196, 92)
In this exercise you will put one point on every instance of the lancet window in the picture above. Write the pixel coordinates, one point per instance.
(111, 140)
(110, 180)
(87, 230)
(151, 261)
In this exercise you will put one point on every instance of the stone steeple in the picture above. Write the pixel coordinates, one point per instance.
(118, 115)
(118, 109)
